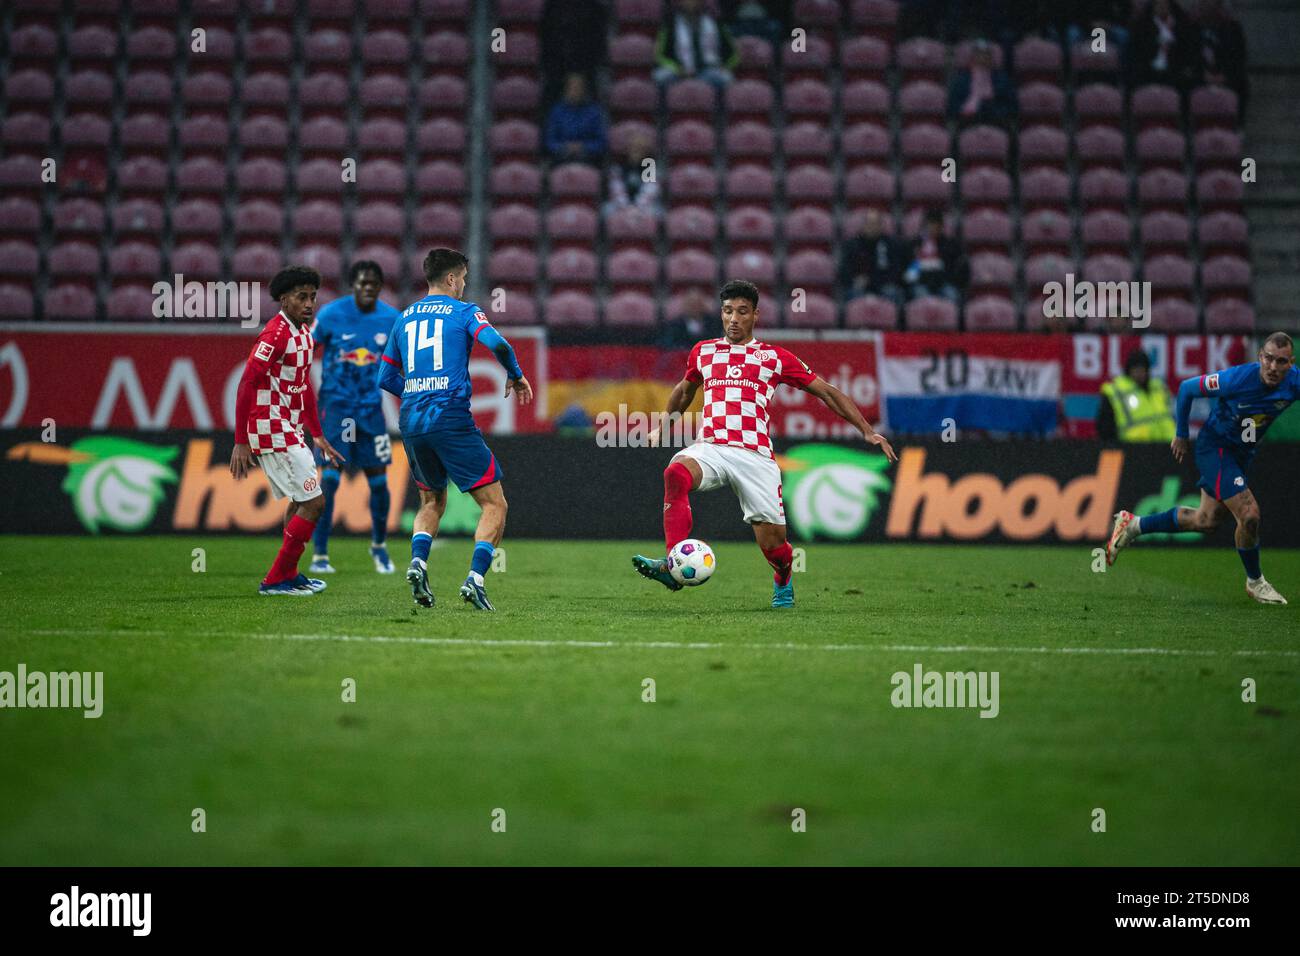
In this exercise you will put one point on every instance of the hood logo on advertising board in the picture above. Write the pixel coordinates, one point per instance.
(831, 490)
(113, 482)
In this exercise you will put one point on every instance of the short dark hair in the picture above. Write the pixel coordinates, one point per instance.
(739, 289)
(441, 261)
(1279, 340)
(1135, 358)
(362, 265)
(290, 277)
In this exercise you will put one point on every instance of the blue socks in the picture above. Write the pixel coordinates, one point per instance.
(482, 560)
(329, 482)
(379, 503)
(420, 544)
(1250, 558)
(1166, 521)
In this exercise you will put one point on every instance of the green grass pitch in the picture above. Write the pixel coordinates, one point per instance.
(1120, 691)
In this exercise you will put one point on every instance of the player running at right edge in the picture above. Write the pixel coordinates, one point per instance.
(739, 375)
(1250, 397)
(426, 365)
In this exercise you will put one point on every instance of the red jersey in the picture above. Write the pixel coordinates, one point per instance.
(738, 381)
(281, 368)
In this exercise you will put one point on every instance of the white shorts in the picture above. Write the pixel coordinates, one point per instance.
(755, 478)
(291, 473)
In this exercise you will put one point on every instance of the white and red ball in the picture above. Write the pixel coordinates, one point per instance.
(691, 562)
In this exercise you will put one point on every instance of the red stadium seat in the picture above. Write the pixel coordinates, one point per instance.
(575, 180)
(645, 12)
(983, 146)
(262, 176)
(1046, 230)
(324, 91)
(808, 98)
(570, 309)
(622, 133)
(205, 133)
(1225, 276)
(379, 219)
(1100, 146)
(1213, 106)
(385, 47)
(1170, 275)
(864, 184)
(692, 181)
(517, 309)
(145, 174)
(1106, 231)
(808, 226)
(814, 59)
(864, 57)
(751, 183)
(445, 50)
(317, 176)
(440, 223)
(749, 139)
(1042, 269)
(691, 98)
(755, 57)
(990, 313)
(992, 270)
(1162, 188)
(76, 258)
(572, 222)
(806, 141)
(514, 266)
(196, 260)
(196, 217)
(634, 53)
(219, 41)
(515, 179)
(259, 218)
(1043, 145)
(447, 179)
(1161, 147)
(26, 129)
(34, 42)
(930, 313)
(632, 267)
(1103, 188)
(813, 311)
(138, 216)
(1173, 315)
(1037, 59)
(126, 259)
(1041, 102)
(264, 134)
(631, 226)
(987, 230)
(323, 134)
(632, 96)
(1108, 268)
(812, 269)
(1229, 315)
(88, 88)
(86, 129)
(513, 139)
(750, 227)
(266, 89)
(924, 143)
(20, 216)
(1087, 62)
(692, 225)
(203, 174)
(326, 47)
(871, 312)
(145, 131)
(70, 302)
(985, 186)
(30, 87)
(131, 303)
(16, 303)
(922, 99)
(1098, 103)
(1222, 232)
(690, 138)
(19, 257)
(92, 43)
(630, 309)
(515, 222)
(1165, 230)
(687, 267)
(319, 220)
(1155, 105)
(922, 57)
(385, 92)
(1218, 149)
(1219, 189)
(752, 264)
(865, 99)
(269, 44)
(869, 141)
(749, 98)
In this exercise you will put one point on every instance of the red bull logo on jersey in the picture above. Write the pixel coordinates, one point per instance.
(362, 356)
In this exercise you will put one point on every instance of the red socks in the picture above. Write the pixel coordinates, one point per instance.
(780, 558)
(296, 535)
(677, 504)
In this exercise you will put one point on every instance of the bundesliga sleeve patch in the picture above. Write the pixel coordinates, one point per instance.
(263, 351)
(480, 316)
(1212, 382)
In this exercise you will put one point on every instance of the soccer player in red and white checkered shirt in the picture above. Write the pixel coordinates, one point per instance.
(739, 375)
(273, 402)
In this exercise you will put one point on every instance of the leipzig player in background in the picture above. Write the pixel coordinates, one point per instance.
(739, 374)
(274, 400)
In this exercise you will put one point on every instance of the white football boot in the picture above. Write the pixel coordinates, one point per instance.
(1263, 592)
(1124, 533)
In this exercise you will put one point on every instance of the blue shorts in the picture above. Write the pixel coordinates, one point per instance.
(370, 447)
(1222, 466)
(456, 451)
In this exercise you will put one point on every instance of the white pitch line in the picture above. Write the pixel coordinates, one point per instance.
(693, 645)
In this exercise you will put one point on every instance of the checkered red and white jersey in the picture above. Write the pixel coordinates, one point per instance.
(283, 355)
(738, 382)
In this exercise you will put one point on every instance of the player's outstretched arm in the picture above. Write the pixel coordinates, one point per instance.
(505, 353)
(848, 410)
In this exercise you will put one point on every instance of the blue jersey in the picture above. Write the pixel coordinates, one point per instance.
(426, 361)
(352, 342)
(1241, 395)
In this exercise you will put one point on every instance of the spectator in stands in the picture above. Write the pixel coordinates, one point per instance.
(631, 183)
(574, 39)
(698, 319)
(1135, 406)
(872, 262)
(575, 130)
(981, 93)
(693, 44)
(938, 265)
(1163, 45)
(756, 18)
(1223, 49)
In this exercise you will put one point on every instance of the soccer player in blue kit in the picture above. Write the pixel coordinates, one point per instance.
(426, 365)
(352, 332)
(1249, 397)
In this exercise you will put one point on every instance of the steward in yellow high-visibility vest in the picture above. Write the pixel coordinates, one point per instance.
(1135, 406)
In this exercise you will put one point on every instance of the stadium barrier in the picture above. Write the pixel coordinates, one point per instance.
(572, 487)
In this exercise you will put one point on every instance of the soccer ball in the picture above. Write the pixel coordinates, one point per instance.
(691, 562)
